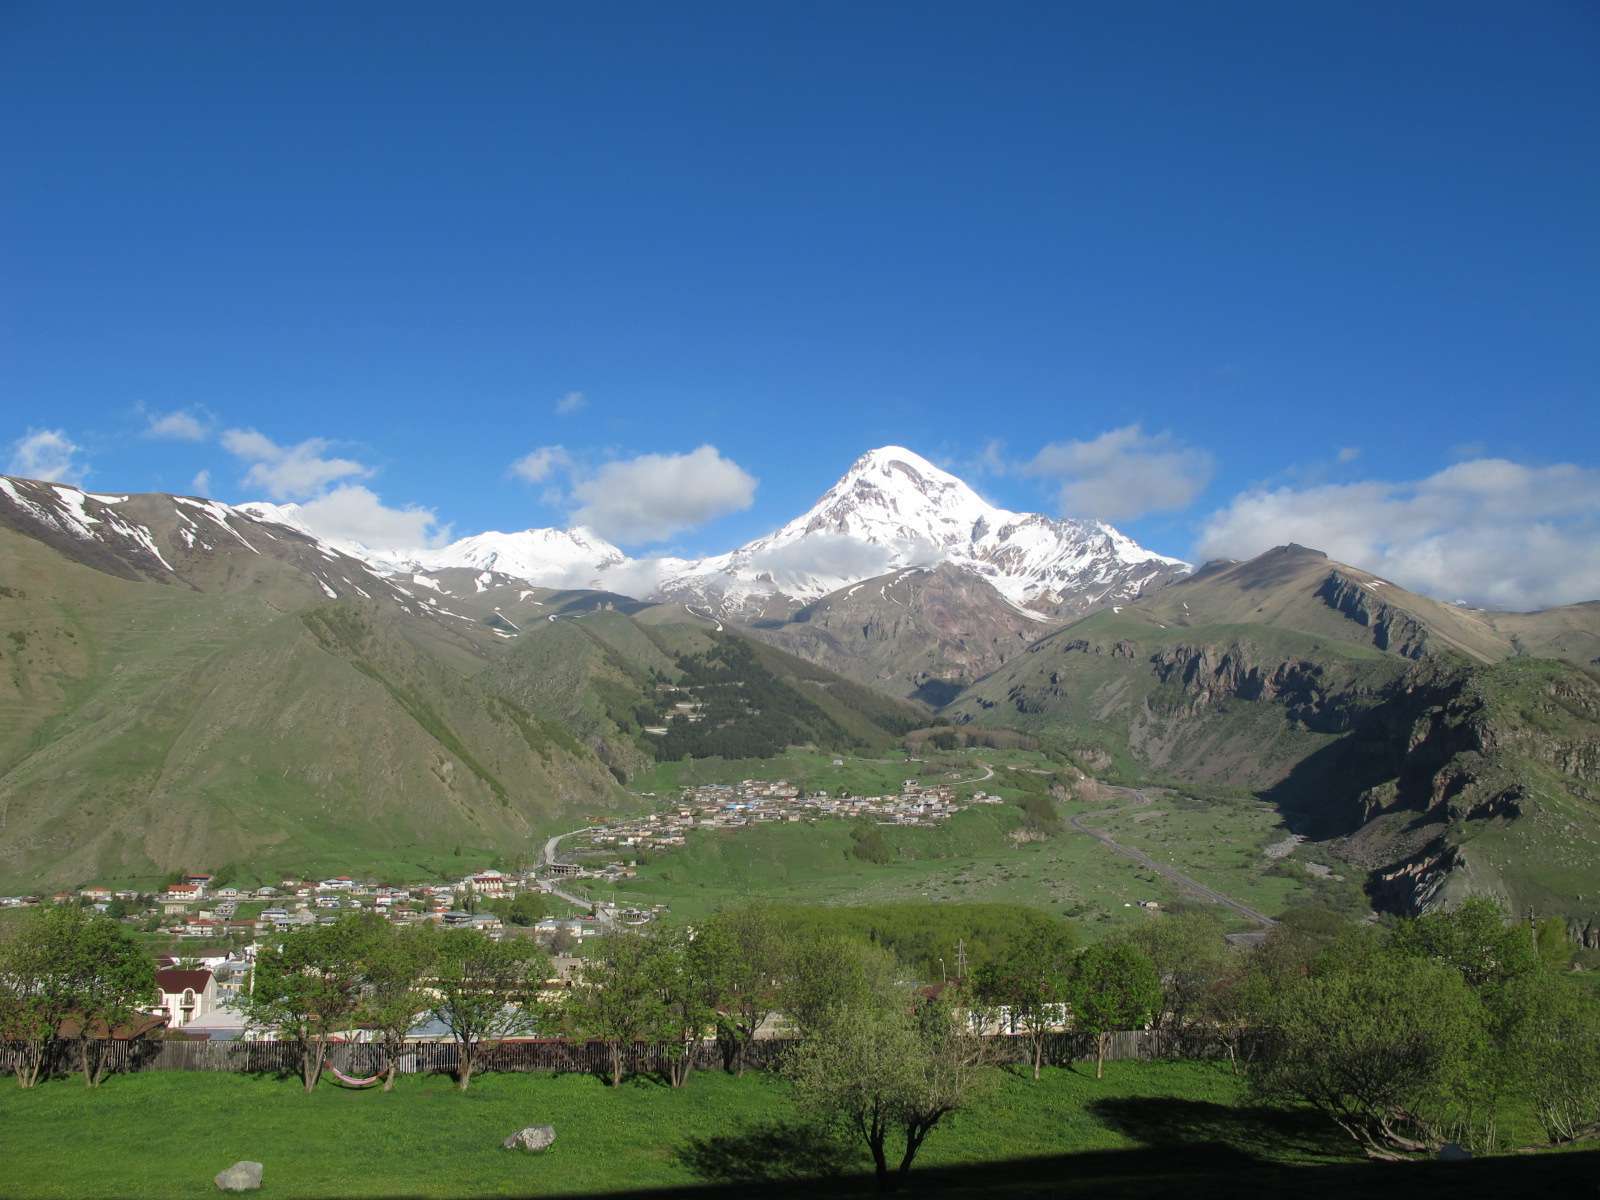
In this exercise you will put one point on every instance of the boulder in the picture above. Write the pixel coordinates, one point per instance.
(534, 1139)
(241, 1177)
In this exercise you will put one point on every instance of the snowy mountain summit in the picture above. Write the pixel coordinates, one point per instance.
(560, 558)
(892, 509)
(895, 509)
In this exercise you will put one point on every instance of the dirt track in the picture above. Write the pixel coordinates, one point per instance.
(1183, 882)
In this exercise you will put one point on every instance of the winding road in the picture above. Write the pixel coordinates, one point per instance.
(1184, 882)
(548, 857)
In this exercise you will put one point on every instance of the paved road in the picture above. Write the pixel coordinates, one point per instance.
(548, 856)
(1172, 874)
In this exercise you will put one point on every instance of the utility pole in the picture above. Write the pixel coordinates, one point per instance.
(961, 960)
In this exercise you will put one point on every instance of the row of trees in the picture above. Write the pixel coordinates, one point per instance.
(1405, 1035)
(69, 970)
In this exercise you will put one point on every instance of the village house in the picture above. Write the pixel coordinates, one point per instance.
(182, 995)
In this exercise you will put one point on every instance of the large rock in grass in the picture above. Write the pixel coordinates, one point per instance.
(241, 1177)
(535, 1139)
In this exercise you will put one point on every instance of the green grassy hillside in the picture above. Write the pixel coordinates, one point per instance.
(1411, 736)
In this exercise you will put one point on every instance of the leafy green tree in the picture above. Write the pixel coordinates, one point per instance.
(1558, 1045)
(1113, 986)
(620, 1001)
(109, 977)
(686, 976)
(1381, 1042)
(1191, 960)
(308, 988)
(1552, 944)
(1476, 941)
(69, 963)
(1032, 983)
(396, 965)
(827, 971)
(887, 1070)
(746, 951)
(484, 991)
(524, 909)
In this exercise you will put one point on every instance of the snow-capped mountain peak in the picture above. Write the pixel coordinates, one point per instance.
(560, 558)
(893, 509)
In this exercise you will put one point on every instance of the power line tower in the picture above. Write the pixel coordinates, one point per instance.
(961, 959)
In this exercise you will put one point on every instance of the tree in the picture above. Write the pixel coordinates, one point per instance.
(1558, 1044)
(396, 962)
(1191, 959)
(109, 977)
(684, 973)
(308, 988)
(1113, 986)
(745, 951)
(525, 909)
(882, 1067)
(484, 991)
(1475, 940)
(35, 990)
(1031, 984)
(828, 971)
(620, 1002)
(1380, 1041)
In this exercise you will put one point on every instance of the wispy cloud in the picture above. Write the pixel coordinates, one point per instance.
(570, 403)
(540, 464)
(289, 472)
(180, 425)
(1123, 473)
(654, 496)
(47, 454)
(1489, 531)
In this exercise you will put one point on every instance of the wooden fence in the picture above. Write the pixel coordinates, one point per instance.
(553, 1056)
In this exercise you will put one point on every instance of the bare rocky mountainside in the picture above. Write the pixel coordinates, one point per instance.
(1426, 739)
(182, 682)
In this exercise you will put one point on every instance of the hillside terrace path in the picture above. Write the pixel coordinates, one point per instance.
(1184, 882)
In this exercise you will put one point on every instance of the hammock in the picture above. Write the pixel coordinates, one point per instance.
(351, 1081)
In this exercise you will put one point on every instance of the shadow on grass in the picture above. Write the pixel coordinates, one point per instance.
(1169, 1123)
(772, 1152)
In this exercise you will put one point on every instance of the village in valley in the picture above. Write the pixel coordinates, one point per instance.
(755, 802)
(228, 924)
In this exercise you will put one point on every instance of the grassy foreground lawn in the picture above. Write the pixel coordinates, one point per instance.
(165, 1134)
(1147, 1129)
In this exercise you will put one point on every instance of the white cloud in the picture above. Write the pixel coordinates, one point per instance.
(47, 454)
(1489, 531)
(839, 556)
(654, 496)
(177, 426)
(538, 465)
(200, 485)
(352, 513)
(289, 472)
(637, 577)
(1348, 454)
(1123, 473)
(570, 403)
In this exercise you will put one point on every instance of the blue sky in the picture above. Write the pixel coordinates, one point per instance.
(1324, 270)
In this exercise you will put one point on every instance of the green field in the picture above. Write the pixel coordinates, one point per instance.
(1146, 1129)
(981, 854)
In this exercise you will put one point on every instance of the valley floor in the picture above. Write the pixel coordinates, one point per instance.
(1146, 1129)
